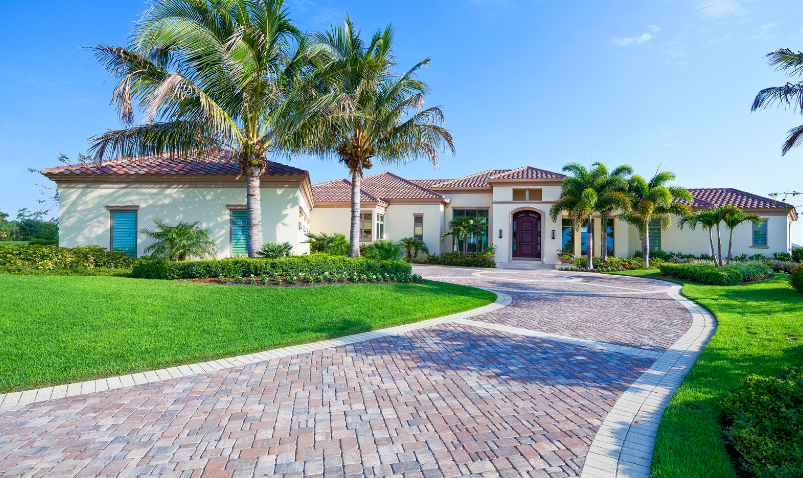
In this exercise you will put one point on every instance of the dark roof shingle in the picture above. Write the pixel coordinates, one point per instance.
(339, 190)
(528, 172)
(707, 197)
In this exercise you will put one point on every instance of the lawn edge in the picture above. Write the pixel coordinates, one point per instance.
(16, 400)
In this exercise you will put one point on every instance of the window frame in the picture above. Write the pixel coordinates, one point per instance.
(130, 208)
(232, 210)
(363, 221)
(380, 227)
(765, 222)
(474, 242)
(416, 216)
(657, 227)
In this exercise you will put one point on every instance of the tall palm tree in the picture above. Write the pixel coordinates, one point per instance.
(733, 218)
(462, 228)
(789, 95)
(654, 200)
(209, 75)
(379, 115)
(708, 220)
(587, 191)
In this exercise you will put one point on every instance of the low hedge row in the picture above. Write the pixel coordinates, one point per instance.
(474, 259)
(703, 274)
(311, 264)
(41, 257)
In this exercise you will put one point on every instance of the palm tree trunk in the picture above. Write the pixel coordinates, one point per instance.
(719, 246)
(603, 239)
(354, 235)
(254, 207)
(465, 246)
(645, 247)
(730, 246)
(589, 244)
(711, 240)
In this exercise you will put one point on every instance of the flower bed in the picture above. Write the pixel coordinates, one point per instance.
(318, 279)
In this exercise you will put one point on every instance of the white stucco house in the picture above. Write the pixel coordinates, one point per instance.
(105, 204)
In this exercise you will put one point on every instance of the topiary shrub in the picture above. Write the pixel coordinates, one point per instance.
(796, 278)
(766, 424)
(244, 266)
(703, 274)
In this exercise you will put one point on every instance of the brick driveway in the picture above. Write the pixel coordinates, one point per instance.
(470, 397)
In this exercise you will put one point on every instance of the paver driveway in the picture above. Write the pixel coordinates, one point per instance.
(518, 391)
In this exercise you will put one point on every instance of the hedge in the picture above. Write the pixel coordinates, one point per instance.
(796, 278)
(703, 274)
(40, 257)
(752, 270)
(311, 264)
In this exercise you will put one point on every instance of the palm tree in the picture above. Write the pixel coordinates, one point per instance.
(179, 242)
(708, 219)
(209, 75)
(789, 95)
(379, 115)
(585, 192)
(334, 244)
(413, 246)
(462, 228)
(654, 200)
(735, 217)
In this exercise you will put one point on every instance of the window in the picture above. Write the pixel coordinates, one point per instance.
(418, 227)
(655, 234)
(366, 226)
(584, 232)
(239, 232)
(380, 227)
(519, 194)
(476, 242)
(567, 237)
(610, 237)
(124, 232)
(760, 234)
(527, 194)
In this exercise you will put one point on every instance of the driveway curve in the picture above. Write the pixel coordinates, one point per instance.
(551, 384)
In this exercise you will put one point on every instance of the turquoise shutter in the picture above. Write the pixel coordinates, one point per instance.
(124, 233)
(239, 233)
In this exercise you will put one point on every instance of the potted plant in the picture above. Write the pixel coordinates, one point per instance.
(565, 257)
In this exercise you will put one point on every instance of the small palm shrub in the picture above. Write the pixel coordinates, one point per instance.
(382, 250)
(413, 247)
(180, 242)
(334, 244)
(796, 278)
(274, 250)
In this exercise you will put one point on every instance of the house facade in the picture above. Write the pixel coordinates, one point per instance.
(105, 204)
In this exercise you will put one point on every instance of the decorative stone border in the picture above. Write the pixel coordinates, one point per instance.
(15, 400)
(624, 443)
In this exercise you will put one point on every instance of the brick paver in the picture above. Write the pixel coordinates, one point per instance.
(448, 400)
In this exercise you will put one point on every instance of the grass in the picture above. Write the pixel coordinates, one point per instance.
(751, 338)
(56, 330)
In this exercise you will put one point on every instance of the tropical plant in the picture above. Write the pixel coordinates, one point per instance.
(461, 228)
(180, 242)
(380, 115)
(383, 251)
(273, 250)
(585, 192)
(334, 244)
(209, 75)
(708, 220)
(7, 228)
(789, 95)
(734, 217)
(413, 246)
(654, 200)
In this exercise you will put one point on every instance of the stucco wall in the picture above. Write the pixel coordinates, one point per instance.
(84, 219)
(399, 223)
(503, 219)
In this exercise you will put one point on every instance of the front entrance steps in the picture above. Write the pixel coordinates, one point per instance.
(528, 264)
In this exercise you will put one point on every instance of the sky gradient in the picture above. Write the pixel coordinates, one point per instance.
(656, 83)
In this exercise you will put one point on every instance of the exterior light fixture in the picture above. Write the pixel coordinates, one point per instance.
(553, 234)
(500, 234)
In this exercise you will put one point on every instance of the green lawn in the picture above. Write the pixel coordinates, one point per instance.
(756, 328)
(56, 330)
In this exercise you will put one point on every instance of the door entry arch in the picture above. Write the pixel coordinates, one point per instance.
(526, 235)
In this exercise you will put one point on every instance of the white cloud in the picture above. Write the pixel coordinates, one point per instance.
(653, 28)
(769, 25)
(719, 8)
(644, 37)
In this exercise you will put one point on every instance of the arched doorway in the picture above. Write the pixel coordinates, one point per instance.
(527, 235)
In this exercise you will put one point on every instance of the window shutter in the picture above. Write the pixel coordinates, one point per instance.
(239, 232)
(124, 232)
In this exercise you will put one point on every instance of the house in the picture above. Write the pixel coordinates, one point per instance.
(106, 203)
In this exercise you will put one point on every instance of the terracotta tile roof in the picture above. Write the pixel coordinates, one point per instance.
(339, 190)
(217, 162)
(388, 186)
(478, 180)
(528, 172)
(707, 197)
(428, 183)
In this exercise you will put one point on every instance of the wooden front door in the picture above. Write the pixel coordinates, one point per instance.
(527, 235)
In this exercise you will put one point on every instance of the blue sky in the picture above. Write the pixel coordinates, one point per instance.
(522, 82)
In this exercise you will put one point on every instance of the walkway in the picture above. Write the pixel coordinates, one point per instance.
(550, 381)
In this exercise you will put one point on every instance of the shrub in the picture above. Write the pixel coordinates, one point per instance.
(274, 250)
(797, 254)
(474, 259)
(703, 274)
(766, 424)
(43, 242)
(312, 264)
(334, 244)
(381, 250)
(183, 241)
(752, 270)
(782, 256)
(782, 266)
(796, 278)
(54, 257)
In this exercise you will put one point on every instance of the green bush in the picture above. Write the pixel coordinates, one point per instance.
(43, 242)
(54, 257)
(703, 274)
(312, 264)
(766, 424)
(751, 270)
(796, 278)
(274, 250)
(74, 271)
(797, 254)
(382, 250)
(474, 259)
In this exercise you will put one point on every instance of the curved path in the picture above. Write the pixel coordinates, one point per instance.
(566, 375)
